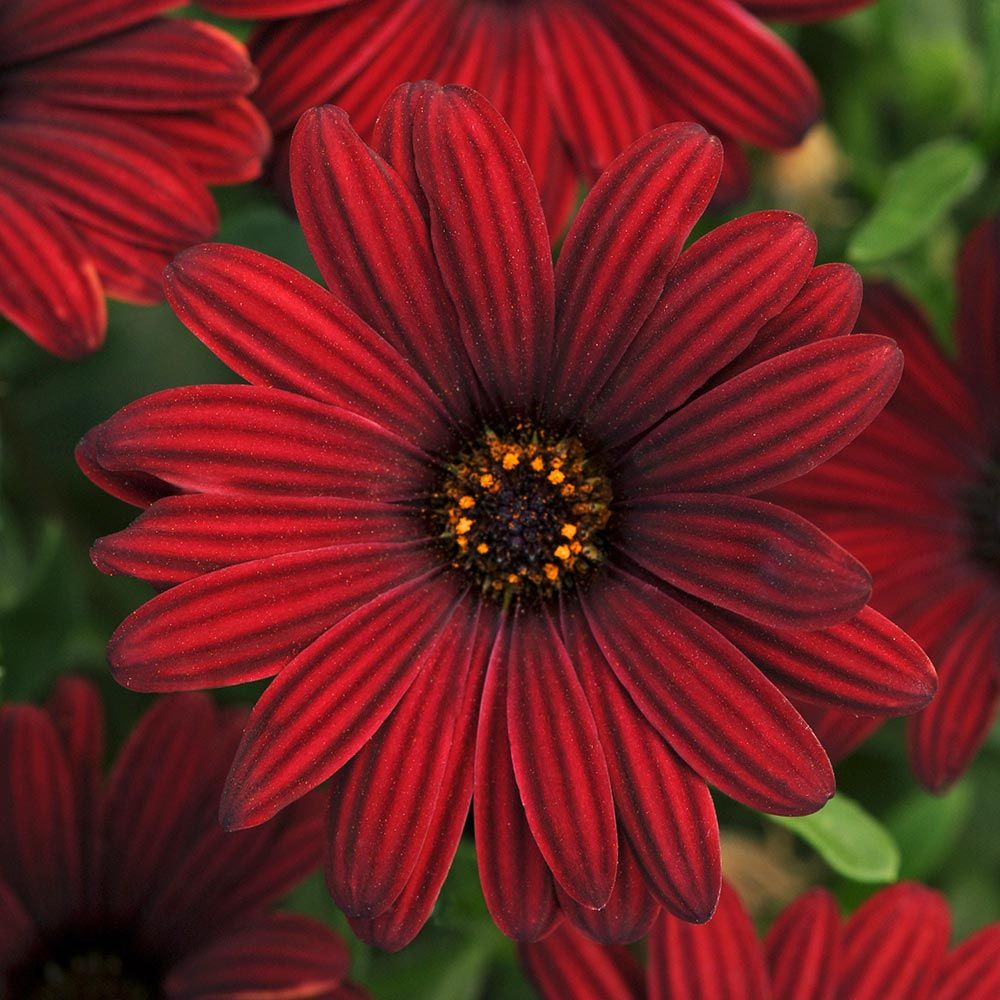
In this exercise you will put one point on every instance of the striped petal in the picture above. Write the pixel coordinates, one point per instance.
(972, 971)
(710, 703)
(803, 948)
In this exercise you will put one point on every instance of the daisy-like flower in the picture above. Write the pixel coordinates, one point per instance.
(577, 80)
(918, 499)
(492, 524)
(894, 947)
(126, 888)
(113, 121)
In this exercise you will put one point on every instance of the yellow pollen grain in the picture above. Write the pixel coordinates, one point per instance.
(551, 572)
(512, 578)
(562, 552)
(466, 502)
(511, 460)
(482, 548)
(569, 531)
(537, 464)
(463, 526)
(486, 480)
(556, 477)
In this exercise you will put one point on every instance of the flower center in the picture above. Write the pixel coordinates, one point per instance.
(523, 513)
(88, 976)
(983, 506)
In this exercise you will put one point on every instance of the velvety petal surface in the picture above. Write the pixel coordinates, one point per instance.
(803, 948)
(972, 970)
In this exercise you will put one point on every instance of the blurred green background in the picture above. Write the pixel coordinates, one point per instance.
(909, 160)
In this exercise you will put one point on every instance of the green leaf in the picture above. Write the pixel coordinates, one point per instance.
(918, 194)
(852, 842)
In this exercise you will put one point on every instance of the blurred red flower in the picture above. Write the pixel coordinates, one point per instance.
(918, 499)
(578, 81)
(894, 947)
(113, 121)
(509, 542)
(127, 888)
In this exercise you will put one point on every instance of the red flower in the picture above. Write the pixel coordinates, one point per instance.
(894, 947)
(509, 541)
(127, 888)
(577, 80)
(918, 498)
(112, 124)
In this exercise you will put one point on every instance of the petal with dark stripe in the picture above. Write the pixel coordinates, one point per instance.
(333, 697)
(972, 971)
(748, 556)
(803, 948)
(711, 704)
(720, 960)
(772, 423)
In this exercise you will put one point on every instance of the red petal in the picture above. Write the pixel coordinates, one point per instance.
(222, 145)
(284, 8)
(721, 65)
(713, 706)
(827, 305)
(280, 955)
(373, 250)
(385, 800)
(579, 59)
(48, 284)
(708, 962)
(180, 537)
(165, 64)
(107, 174)
(275, 327)
(664, 808)
(32, 29)
(803, 949)
(39, 836)
(559, 764)
(568, 966)
(399, 925)
(867, 664)
(840, 731)
(333, 697)
(248, 439)
(770, 424)
(972, 971)
(155, 796)
(979, 311)
(129, 273)
(516, 882)
(490, 241)
(621, 246)
(247, 621)
(931, 389)
(719, 294)
(628, 913)
(754, 558)
(895, 944)
(945, 737)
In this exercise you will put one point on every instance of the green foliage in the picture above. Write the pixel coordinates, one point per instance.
(849, 839)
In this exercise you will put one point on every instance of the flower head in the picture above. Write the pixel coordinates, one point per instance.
(126, 888)
(918, 499)
(492, 523)
(894, 947)
(577, 80)
(113, 121)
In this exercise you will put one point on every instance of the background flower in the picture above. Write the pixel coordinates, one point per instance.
(577, 81)
(127, 887)
(918, 499)
(894, 947)
(511, 545)
(113, 121)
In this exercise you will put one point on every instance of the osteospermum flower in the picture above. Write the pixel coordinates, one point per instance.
(894, 947)
(918, 499)
(577, 80)
(493, 531)
(126, 888)
(112, 123)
